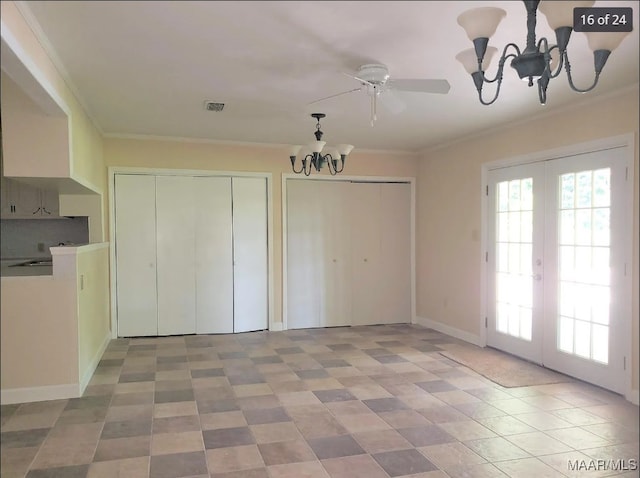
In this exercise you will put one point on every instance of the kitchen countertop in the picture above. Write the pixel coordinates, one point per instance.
(7, 271)
(63, 256)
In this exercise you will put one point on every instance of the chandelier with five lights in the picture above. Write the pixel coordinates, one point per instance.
(539, 62)
(313, 157)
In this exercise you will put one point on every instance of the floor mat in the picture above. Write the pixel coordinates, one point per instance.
(502, 368)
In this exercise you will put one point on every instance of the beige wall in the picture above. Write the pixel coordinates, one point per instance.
(34, 144)
(223, 157)
(90, 205)
(449, 205)
(54, 328)
(93, 307)
(86, 165)
(39, 316)
(38, 332)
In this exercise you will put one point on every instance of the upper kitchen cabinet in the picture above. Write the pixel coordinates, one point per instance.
(19, 200)
(23, 201)
(49, 203)
(6, 206)
(35, 142)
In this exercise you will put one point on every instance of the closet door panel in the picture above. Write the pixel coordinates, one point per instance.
(304, 253)
(335, 275)
(135, 246)
(175, 202)
(395, 260)
(250, 295)
(213, 255)
(366, 227)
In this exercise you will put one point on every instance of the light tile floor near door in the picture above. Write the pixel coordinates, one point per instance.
(372, 402)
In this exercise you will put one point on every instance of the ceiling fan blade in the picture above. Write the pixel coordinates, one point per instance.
(333, 96)
(420, 85)
(364, 82)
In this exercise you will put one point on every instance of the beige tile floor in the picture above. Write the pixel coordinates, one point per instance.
(371, 402)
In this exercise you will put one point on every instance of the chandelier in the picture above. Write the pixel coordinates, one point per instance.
(332, 157)
(538, 61)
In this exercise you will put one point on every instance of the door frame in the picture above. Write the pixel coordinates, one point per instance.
(625, 140)
(111, 174)
(371, 179)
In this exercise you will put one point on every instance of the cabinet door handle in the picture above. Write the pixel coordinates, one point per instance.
(45, 211)
(34, 212)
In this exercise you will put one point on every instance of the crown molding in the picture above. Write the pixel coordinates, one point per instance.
(181, 139)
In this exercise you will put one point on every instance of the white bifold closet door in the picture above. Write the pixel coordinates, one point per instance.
(191, 255)
(135, 251)
(366, 222)
(395, 254)
(381, 253)
(214, 255)
(335, 234)
(348, 253)
(175, 228)
(319, 248)
(304, 257)
(250, 294)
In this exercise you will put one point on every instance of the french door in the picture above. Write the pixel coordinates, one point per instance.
(556, 264)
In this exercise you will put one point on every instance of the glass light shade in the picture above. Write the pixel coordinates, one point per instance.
(469, 59)
(316, 146)
(332, 151)
(559, 13)
(481, 22)
(605, 40)
(345, 149)
(294, 150)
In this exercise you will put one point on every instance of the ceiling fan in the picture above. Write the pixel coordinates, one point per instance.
(374, 80)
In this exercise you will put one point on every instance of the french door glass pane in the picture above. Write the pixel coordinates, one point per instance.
(584, 271)
(514, 258)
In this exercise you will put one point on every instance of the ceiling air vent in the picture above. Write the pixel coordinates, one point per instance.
(213, 106)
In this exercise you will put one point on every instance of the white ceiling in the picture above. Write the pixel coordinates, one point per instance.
(146, 68)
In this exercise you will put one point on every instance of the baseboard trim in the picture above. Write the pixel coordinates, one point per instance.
(276, 327)
(452, 331)
(86, 378)
(39, 394)
(633, 396)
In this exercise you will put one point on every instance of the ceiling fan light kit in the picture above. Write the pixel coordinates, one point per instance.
(333, 157)
(539, 61)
